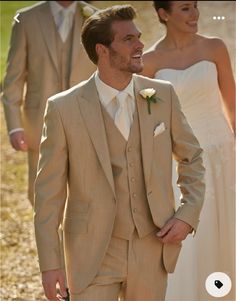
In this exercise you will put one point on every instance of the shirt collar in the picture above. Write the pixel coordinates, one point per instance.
(56, 7)
(107, 93)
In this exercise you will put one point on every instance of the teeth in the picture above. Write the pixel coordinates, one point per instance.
(192, 23)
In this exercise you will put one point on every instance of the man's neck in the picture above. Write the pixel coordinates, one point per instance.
(117, 80)
(65, 3)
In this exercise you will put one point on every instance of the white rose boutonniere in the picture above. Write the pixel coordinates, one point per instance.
(149, 95)
(87, 11)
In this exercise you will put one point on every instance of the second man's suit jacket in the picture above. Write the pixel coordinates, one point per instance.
(75, 181)
(32, 73)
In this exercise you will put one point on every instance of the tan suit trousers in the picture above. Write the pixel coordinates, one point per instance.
(132, 270)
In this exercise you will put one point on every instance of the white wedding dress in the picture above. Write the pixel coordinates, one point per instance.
(212, 248)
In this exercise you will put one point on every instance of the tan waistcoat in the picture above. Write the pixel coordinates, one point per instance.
(64, 51)
(132, 204)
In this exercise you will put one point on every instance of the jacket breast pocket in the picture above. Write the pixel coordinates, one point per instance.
(160, 134)
(162, 137)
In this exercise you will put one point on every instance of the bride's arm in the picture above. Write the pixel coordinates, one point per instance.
(225, 80)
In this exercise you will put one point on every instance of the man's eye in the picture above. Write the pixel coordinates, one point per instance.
(128, 39)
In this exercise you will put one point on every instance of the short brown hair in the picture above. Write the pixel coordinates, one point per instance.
(97, 28)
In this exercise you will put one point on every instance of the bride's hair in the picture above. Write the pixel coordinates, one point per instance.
(166, 5)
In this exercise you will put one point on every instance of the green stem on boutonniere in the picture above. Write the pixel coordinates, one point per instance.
(149, 105)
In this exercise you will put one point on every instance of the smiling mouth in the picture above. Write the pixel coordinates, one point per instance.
(192, 23)
(137, 56)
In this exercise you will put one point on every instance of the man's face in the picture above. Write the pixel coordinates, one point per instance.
(125, 52)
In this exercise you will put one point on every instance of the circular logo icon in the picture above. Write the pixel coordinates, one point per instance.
(218, 284)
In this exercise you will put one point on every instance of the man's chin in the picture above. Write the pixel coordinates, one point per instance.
(137, 69)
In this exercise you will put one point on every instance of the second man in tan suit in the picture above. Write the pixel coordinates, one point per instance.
(45, 57)
(105, 172)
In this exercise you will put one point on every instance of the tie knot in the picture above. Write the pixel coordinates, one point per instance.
(121, 97)
(65, 24)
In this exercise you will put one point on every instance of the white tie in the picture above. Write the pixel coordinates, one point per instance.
(65, 24)
(122, 120)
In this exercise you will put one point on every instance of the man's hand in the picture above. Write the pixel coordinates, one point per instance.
(50, 279)
(18, 142)
(174, 231)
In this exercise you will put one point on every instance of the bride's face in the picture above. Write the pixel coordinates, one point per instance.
(183, 16)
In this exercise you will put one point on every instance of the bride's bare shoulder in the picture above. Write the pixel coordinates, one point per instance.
(211, 43)
(213, 46)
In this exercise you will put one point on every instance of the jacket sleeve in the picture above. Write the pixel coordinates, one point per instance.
(188, 154)
(15, 76)
(50, 190)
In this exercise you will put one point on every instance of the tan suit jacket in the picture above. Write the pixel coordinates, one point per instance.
(74, 151)
(32, 64)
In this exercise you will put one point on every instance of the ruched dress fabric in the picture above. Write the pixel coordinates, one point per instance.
(213, 247)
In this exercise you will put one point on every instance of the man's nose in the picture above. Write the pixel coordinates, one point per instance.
(140, 45)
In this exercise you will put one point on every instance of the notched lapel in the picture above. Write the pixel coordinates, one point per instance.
(92, 115)
(46, 22)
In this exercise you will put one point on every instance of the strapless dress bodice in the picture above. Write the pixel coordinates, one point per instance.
(199, 95)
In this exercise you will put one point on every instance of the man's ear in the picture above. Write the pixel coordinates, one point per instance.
(101, 50)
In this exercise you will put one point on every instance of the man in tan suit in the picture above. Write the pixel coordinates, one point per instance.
(105, 171)
(45, 57)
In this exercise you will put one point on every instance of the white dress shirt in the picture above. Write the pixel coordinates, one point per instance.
(58, 12)
(107, 96)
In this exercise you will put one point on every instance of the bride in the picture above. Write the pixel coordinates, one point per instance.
(200, 70)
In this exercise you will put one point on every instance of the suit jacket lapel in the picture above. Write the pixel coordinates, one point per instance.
(92, 114)
(47, 25)
(146, 124)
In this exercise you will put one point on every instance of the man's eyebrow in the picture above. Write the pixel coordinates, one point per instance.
(130, 35)
(187, 4)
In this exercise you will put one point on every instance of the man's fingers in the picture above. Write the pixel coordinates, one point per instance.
(23, 145)
(50, 279)
(171, 237)
(164, 230)
(174, 231)
(63, 291)
(18, 141)
(50, 291)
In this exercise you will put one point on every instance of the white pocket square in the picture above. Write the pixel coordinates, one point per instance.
(160, 128)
